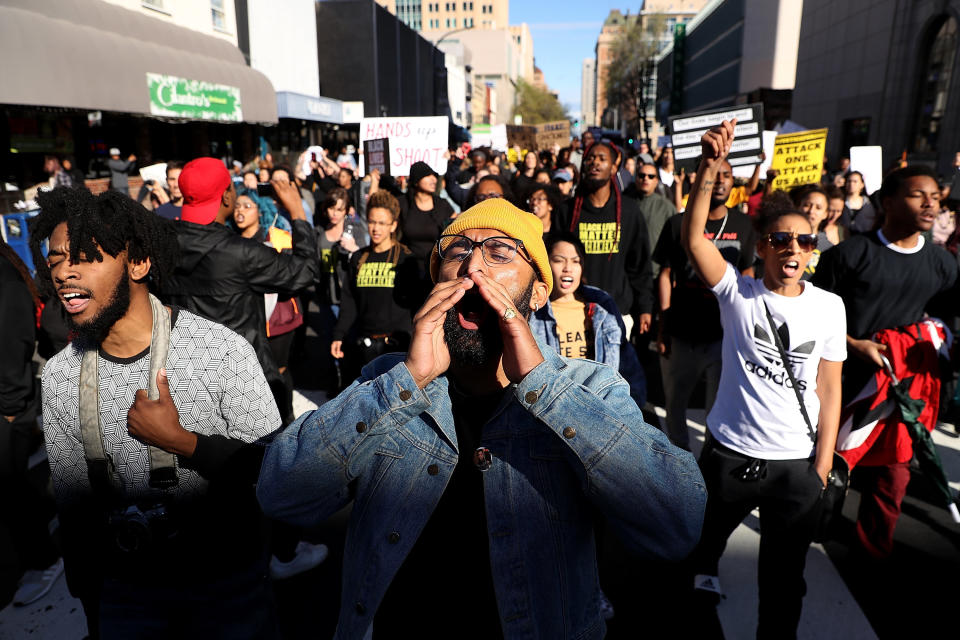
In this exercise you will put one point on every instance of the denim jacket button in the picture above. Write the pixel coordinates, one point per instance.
(531, 397)
(394, 537)
(359, 608)
(406, 394)
(569, 432)
(433, 469)
(361, 427)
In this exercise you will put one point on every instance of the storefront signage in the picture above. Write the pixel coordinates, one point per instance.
(193, 99)
(301, 107)
(798, 158)
(411, 140)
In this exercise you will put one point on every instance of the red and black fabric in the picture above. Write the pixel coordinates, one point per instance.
(872, 432)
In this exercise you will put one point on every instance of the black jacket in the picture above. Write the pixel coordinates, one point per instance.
(222, 276)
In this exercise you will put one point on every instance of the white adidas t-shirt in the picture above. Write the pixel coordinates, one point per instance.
(756, 411)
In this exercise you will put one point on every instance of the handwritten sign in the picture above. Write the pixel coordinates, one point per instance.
(798, 158)
(376, 155)
(411, 140)
(687, 129)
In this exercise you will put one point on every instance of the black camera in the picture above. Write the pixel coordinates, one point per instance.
(135, 530)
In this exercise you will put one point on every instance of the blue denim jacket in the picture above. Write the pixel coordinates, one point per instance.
(610, 346)
(566, 438)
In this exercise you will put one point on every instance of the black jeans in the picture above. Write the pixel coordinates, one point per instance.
(788, 495)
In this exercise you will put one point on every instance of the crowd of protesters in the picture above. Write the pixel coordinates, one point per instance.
(486, 339)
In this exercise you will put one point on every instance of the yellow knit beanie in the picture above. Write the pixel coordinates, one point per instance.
(499, 214)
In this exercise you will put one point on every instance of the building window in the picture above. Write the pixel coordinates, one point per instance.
(935, 85)
(218, 15)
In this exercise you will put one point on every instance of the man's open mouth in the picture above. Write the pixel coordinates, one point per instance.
(74, 301)
(472, 310)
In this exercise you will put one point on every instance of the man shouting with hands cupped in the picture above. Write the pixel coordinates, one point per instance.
(476, 459)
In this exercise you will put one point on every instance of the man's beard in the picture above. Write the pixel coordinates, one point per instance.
(95, 330)
(591, 185)
(474, 348)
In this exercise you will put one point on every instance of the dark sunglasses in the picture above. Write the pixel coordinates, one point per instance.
(649, 176)
(782, 240)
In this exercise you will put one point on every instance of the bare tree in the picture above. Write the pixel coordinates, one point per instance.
(631, 69)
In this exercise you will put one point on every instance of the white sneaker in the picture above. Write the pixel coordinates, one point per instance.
(307, 557)
(36, 584)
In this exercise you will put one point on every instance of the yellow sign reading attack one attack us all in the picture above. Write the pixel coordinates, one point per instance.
(798, 158)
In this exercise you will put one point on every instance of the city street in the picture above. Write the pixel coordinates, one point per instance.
(846, 600)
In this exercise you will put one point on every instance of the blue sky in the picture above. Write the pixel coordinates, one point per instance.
(564, 33)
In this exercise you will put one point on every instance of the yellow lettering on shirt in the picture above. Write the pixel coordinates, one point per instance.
(328, 261)
(574, 329)
(376, 274)
(600, 237)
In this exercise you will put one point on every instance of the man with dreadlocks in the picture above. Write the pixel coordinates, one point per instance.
(153, 488)
(614, 236)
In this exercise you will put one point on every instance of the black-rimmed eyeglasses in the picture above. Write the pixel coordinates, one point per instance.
(496, 250)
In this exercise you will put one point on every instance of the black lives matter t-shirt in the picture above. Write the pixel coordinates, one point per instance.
(694, 314)
(380, 296)
(617, 259)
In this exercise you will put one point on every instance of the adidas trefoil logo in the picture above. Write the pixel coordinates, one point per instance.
(768, 347)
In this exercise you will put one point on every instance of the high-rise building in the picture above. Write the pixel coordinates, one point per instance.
(671, 12)
(424, 15)
(588, 93)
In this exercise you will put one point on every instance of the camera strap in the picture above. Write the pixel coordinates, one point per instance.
(100, 467)
(789, 368)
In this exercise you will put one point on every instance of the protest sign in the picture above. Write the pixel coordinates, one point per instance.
(553, 133)
(798, 158)
(538, 137)
(523, 136)
(376, 155)
(411, 140)
(687, 129)
(869, 162)
(155, 172)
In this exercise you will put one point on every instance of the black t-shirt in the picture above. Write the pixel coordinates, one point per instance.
(620, 265)
(447, 578)
(694, 314)
(883, 288)
(419, 229)
(379, 296)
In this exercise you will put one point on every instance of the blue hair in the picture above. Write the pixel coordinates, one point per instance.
(269, 216)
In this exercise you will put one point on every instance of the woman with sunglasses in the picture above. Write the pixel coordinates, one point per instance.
(760, 449)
